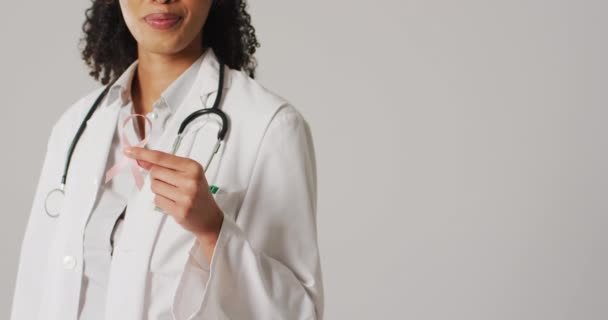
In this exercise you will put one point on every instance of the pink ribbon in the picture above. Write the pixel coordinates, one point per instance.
(139, 179)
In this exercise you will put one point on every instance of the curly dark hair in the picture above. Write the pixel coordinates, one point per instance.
(109, 48)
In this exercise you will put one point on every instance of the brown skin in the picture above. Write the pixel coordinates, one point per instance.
(180, 187)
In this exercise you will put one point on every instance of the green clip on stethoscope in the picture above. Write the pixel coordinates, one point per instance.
(56, 195)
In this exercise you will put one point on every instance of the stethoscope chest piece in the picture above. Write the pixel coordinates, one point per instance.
(54, 202)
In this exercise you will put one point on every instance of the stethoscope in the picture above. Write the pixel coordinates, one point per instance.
(56, 195)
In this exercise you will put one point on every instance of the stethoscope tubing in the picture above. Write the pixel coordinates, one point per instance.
(215, 109)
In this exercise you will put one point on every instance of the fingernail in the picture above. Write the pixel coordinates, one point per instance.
(127, 150)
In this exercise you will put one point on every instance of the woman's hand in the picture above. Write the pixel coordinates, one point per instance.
(182, 191)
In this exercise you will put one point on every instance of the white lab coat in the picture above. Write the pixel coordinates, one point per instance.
(266, 262)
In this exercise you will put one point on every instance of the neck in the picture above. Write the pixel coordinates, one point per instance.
(155, 72)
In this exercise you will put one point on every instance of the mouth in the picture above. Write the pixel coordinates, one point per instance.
(162, 21)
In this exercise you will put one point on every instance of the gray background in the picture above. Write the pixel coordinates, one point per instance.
(461, 146)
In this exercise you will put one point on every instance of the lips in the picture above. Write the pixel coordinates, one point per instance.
(162, 21)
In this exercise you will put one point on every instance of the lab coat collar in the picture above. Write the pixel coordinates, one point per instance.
(121, 88)
(208, 75)
(207, 65)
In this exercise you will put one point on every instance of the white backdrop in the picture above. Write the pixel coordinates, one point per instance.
(461, 146)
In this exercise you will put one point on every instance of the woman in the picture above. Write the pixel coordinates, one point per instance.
(170, 248)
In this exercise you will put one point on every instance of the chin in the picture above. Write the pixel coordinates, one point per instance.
(164, 46)
(167, 43)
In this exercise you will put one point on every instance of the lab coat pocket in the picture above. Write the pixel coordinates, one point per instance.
(171, 248)
(160, 294)
(168, 264)
(229, 200)
(191, 286)
(193, 282)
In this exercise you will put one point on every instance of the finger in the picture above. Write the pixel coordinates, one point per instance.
(166, 190)
(164, 203)
(170, 176)
(157, 157)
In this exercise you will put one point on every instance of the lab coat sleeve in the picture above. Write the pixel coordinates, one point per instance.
(27, 287)
(266, 264)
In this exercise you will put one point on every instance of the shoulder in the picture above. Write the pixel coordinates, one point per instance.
(262, 123)
(253, 104)
(69, 120)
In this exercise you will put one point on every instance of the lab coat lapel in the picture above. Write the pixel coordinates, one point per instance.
(88, 164)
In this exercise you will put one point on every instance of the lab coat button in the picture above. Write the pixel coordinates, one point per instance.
(153, 115)
(69, 262)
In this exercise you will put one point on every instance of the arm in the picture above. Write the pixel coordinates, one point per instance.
(266, 264)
